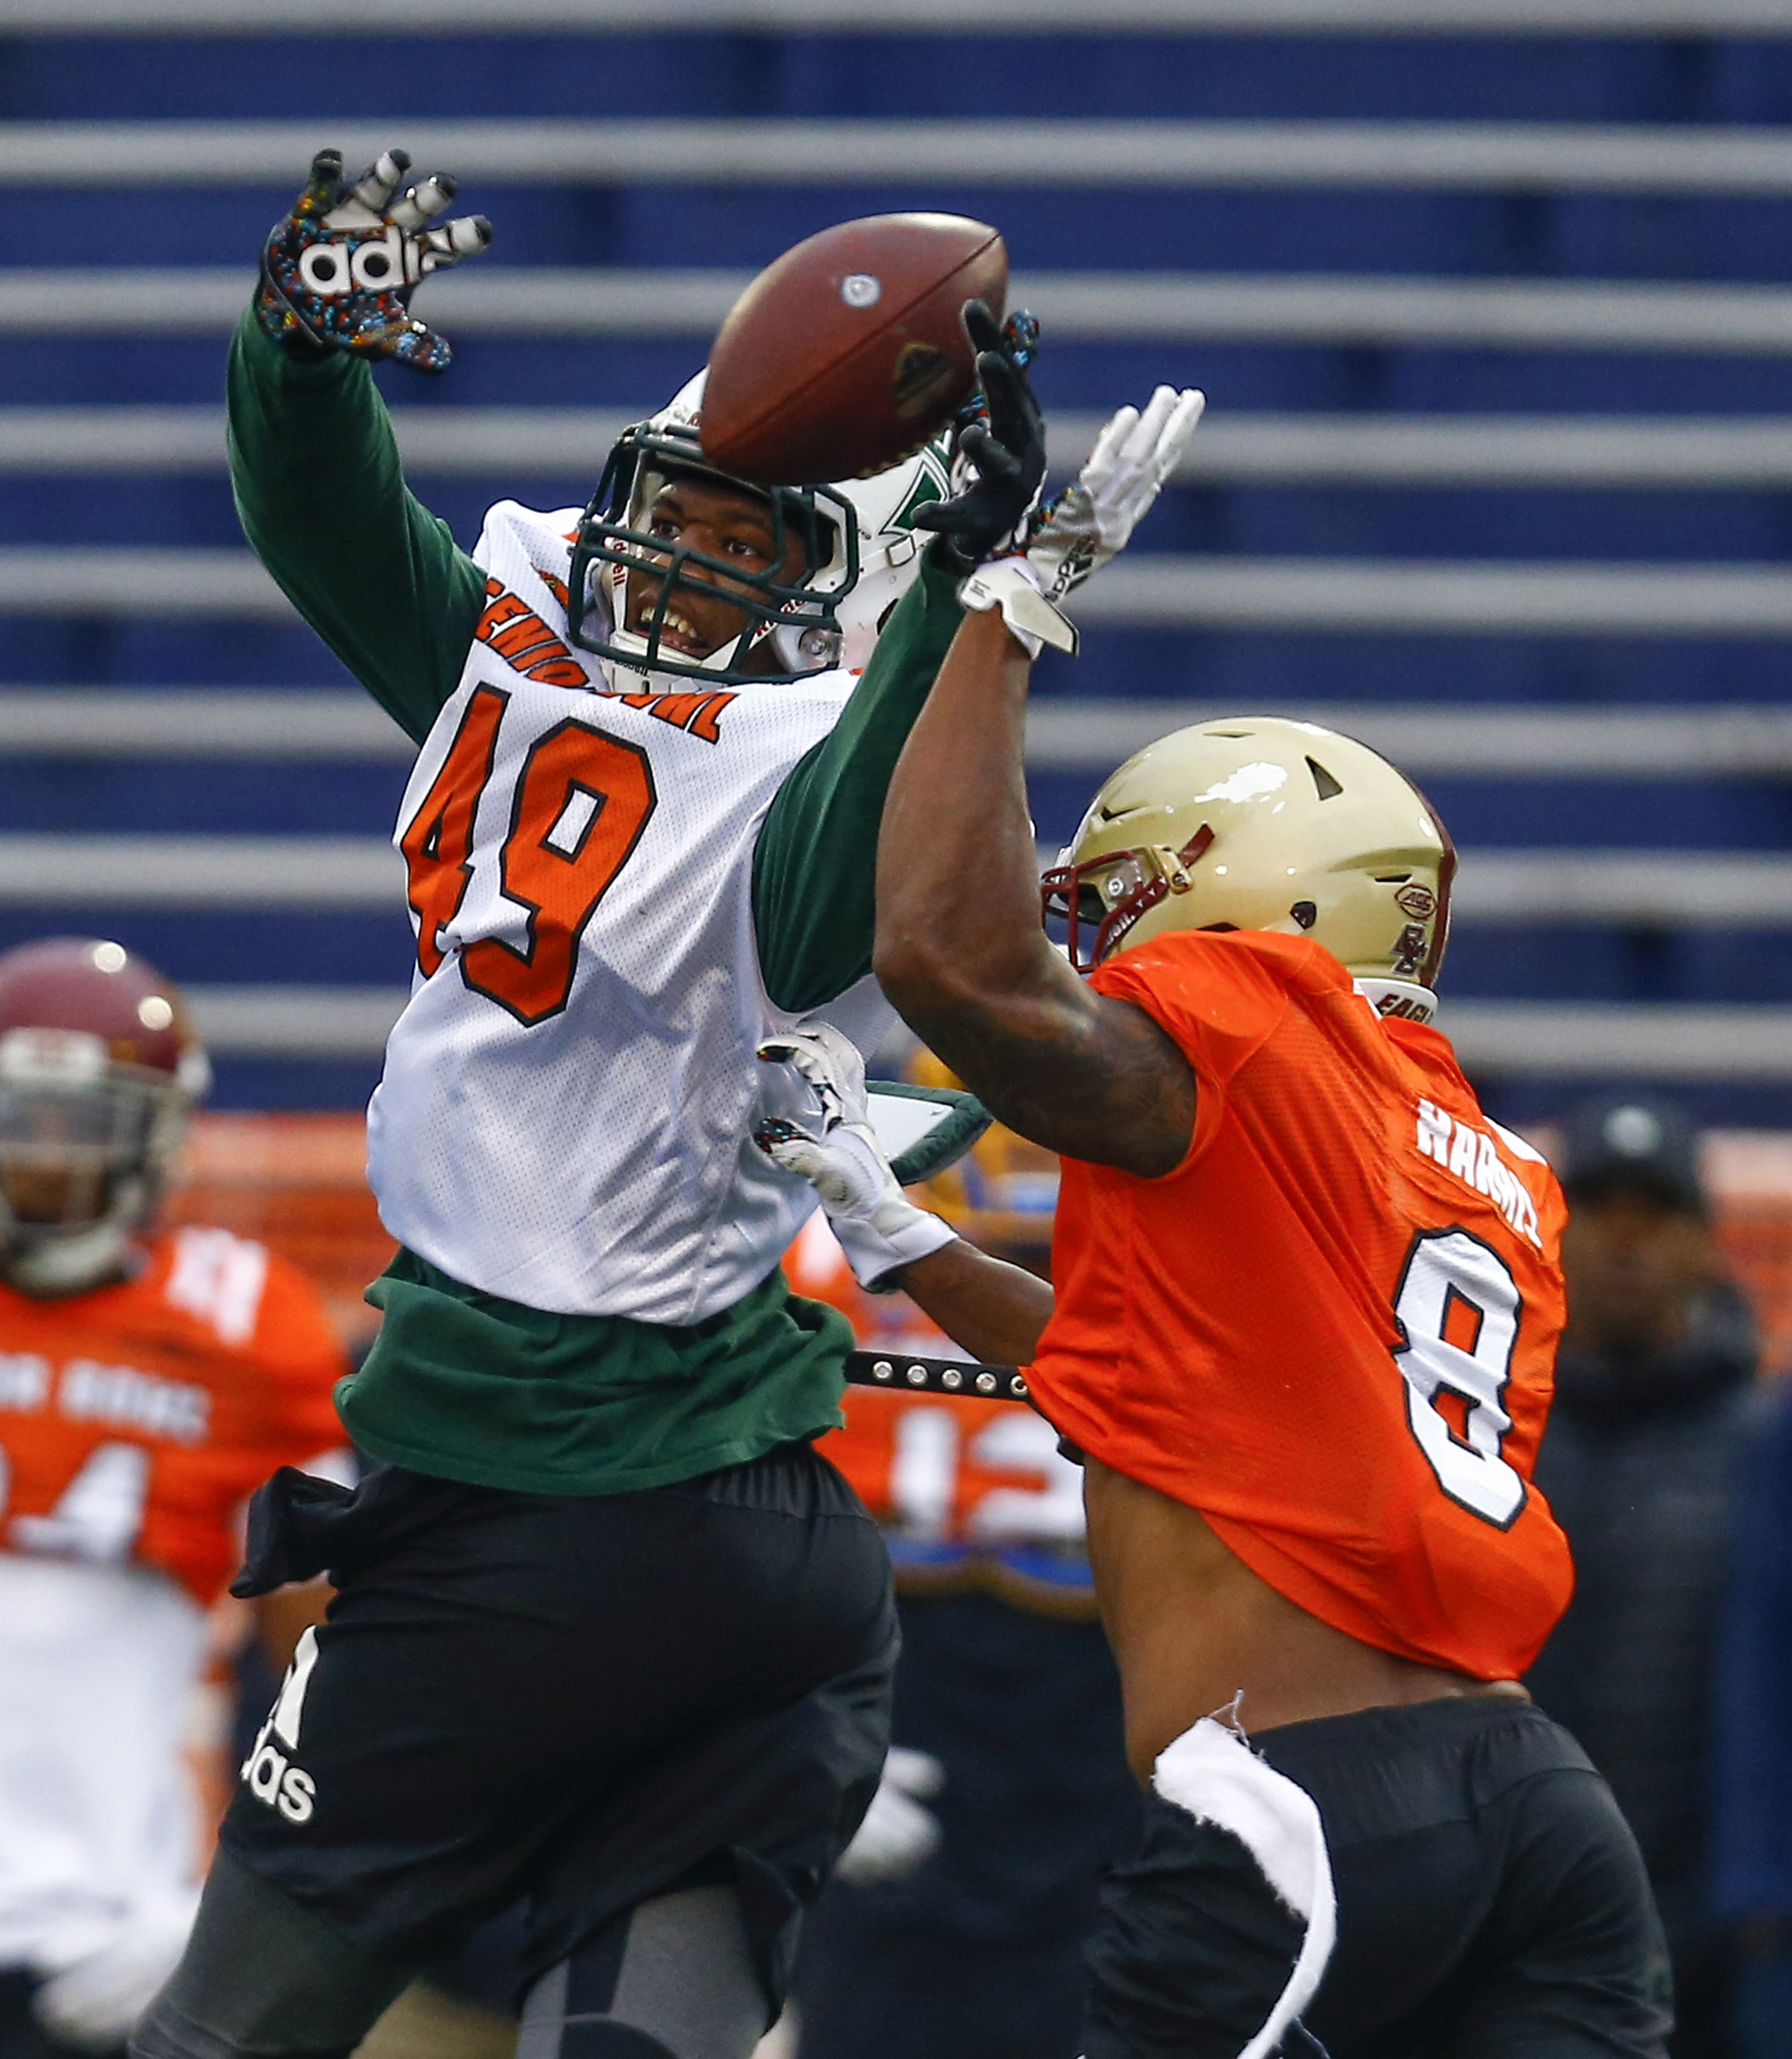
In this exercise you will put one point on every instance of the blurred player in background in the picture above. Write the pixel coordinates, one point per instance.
(149, 1380)
(608, 1633)
(1306, 1300)
(955, 1926)
(1653, 1395)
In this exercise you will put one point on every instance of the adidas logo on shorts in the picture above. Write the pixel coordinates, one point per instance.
(268, 1773)
(271, 1778)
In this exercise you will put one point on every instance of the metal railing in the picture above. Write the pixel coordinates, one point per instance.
(1652, 451)
(1065, 733)
(1702, 889)
(1423, 17)
(998, 152)
(1156, 591)
(1103, 307)
(1537, 1039)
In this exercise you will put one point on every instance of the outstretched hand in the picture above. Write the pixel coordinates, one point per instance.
(1000, 451)
(339, 272)
(878, 1228)
(1095, 516)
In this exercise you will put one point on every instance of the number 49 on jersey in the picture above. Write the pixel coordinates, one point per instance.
(579, 806)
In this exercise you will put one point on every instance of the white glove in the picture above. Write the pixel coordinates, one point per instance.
(1095, 516)
(898, 1834)
(879, 1229)
(96, 2002)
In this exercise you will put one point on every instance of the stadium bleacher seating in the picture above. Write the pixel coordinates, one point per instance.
(1496, 329)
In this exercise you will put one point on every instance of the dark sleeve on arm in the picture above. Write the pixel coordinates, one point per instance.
(316, 473)
(1751, 1761)
(814, 868)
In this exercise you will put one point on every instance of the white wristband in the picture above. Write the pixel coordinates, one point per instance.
(895, 1234)
(1013, 585)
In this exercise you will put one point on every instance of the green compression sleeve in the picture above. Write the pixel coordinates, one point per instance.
(314, 469)
(814, 868)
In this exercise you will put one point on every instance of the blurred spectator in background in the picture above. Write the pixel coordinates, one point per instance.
(954, 1928)
(1652, 1395)
(1752, 1842)
(148, 1382)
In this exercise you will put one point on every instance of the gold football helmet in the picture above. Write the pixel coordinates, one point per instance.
(1256, 822)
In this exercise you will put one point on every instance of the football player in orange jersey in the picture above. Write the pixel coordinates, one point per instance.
(148, 1382)
(1307, 1300)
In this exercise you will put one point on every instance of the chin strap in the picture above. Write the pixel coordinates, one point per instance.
(1404, 997)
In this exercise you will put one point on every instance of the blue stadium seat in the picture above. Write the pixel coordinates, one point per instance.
(1472, 235)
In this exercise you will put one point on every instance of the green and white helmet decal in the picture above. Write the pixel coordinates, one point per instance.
(890, 546)
(860, 547)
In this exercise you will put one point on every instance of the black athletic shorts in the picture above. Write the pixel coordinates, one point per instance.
(577, 1701)
(1491, 1904)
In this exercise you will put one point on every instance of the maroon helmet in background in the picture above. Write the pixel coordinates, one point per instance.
(99, 1067)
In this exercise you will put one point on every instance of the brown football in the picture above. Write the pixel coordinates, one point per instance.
(849, 353)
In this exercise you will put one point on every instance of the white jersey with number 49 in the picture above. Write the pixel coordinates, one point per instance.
(566, 1111)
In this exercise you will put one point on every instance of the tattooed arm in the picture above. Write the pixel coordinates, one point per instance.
(960, 950)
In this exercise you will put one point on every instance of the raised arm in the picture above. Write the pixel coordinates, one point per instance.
(815, 866)
(960, 948)
(323, 501)
(312, 459)
(961, 951)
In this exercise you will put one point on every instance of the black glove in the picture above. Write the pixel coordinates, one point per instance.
(339, 272)
(1001, 448)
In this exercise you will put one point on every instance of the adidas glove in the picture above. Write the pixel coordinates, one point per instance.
(878, 1228)
(1095, 516)
(339, 272)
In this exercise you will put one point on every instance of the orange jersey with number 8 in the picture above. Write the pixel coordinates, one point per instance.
(1333, 1328)
(136, 1420)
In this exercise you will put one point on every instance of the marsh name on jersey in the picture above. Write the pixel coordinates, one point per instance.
(565, 1115)
(1473, 1157)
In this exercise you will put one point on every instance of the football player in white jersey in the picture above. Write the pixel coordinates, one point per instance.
(609, 1635)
